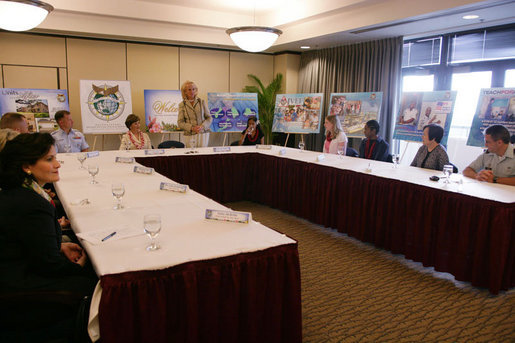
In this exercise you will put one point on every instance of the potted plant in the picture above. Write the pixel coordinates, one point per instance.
(266, 102)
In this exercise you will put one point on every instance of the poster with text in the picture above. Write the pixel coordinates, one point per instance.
(419, 109)
(495, 106)
(162, 109)
(298, 113)
(104, 106)
(37, 105)
(355, 109)
(230, 111)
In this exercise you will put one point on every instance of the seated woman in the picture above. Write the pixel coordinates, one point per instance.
(431, 154)
(335, 140)
(32, 255)
(253, 134)
(134, 139)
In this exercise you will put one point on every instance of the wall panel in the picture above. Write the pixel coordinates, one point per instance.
(34, 50)
(30, 77)
(94, 60)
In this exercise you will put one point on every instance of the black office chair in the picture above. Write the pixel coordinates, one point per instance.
(389, 158)
(235, 143)
(454, 168)
(42, 316)
(351, 152)
(170, 145)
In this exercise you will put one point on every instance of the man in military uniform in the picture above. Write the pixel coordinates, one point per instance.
(497, 164)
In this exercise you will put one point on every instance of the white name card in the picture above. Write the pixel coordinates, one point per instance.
(222, 149)
(93, 154)
(229, 216)
(282, 151)
(263, 147)
(174, 187)
(143, 170)
(154, 151)
(320, 157)
(124, 160)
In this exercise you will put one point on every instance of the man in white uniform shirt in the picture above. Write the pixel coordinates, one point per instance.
(66, 138)
(409, 115)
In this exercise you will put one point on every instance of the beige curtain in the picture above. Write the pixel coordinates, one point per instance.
(364, 67)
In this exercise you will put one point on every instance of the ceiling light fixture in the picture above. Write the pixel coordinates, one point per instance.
(470, 16)
(22, 15)
(305, 47)
(253, 38)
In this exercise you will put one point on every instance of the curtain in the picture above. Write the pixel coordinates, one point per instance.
(364, 67)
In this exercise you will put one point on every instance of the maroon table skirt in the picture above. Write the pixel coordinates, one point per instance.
(471, 238)
(250, 297)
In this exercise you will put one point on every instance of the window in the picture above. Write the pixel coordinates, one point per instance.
(468, 86)
(417, 83)
(422, 52)
(509, 78)
(490, 44)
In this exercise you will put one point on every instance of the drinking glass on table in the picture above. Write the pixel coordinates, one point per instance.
(340, 152)
(447, 171)
(152, 227)
(81, 157)
(396, 159)
(193, 142)
(67, 148)
(301, 146)
(118, 190)
(93, 170)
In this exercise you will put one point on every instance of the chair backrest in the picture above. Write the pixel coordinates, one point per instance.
(235, 143)
(351, 152)
(454, 168)
(170, 144)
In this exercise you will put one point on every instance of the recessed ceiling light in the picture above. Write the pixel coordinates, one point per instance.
(470, 16)
(305, 47)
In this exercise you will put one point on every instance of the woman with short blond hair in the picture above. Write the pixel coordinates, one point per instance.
(194, 117)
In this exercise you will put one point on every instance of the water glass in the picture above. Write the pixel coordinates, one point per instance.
(152, 227)
(447, 171)
(193, 142)
(340, 152)
(67, 148)
(301, 146)
(118, 190)
(81, 157)
(93, 170)
(396, 159)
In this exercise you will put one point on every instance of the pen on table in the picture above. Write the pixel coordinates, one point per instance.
(108, 236)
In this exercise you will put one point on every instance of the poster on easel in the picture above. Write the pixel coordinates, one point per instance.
(298, 113)
(162, 110)
(105, 104)
(355, 109)
(37, 105)
(495, 106)
(419, 109)
(230, 111)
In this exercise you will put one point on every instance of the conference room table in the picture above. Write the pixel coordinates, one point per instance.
(465, 229)
(210, 281)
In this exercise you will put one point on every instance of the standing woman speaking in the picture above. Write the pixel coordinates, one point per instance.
(194, 117)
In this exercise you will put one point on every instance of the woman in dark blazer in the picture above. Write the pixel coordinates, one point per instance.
(32, 255)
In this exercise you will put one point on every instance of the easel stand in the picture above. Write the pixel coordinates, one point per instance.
(287, 137)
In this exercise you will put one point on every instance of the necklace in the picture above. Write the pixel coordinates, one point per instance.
(132, 138)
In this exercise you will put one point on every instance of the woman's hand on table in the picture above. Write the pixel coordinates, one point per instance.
(74, 253)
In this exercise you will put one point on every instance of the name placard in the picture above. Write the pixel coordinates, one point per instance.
(143, 170)
(174, 187)
(282, 151)
(320, 157)
(154, 151)
(124, 159)
(263, 147)
(229, 216)
(91, 154)
(221, 149)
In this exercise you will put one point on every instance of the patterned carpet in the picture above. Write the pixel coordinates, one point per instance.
(353, 292)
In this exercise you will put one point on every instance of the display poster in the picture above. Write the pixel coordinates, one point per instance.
(419, 109)
(495, 106)
(162, 109)
(355, 109)
(104, 106)
(298, 113)
(230, 111)
(37, 105)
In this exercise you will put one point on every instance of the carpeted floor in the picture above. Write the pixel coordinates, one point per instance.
(354, 292)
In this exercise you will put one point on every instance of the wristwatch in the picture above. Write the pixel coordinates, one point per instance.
(495, 179)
